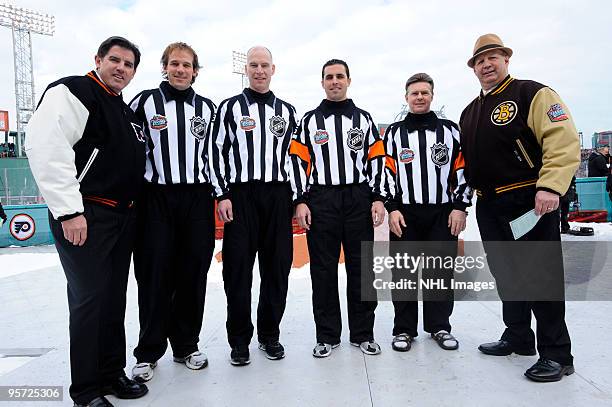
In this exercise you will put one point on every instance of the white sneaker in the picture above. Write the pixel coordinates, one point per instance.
(323, 350)
(143, 372)
(195, 361)
(368, 347)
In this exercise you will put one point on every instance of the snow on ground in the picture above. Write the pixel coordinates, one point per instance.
(17, 263)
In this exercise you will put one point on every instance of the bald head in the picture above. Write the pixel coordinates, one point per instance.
(259, 68)
(259, 48)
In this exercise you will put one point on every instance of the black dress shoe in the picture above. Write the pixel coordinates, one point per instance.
(97, 402)
(240, 355)
(546, 370)
(125, 388)
(504, 348)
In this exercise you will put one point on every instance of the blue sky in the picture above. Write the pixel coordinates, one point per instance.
(562, 44)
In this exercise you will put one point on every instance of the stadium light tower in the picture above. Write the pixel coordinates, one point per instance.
(23, 23)
(238, 63)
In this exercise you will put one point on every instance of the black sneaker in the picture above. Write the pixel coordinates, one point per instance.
(274, 350)
(240, 355)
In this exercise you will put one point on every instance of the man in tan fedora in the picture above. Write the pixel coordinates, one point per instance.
(521, 150)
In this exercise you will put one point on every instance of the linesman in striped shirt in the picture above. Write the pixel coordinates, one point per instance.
(250, 172)
(428, 196)
(337, 171)
(177, 238)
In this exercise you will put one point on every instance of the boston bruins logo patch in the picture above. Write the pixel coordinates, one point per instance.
(439, 154)
(504, 113)
(278, 126)
(355, 139)
(198, 127)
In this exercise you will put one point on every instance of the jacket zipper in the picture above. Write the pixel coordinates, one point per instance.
(520, 145)
(92, 158)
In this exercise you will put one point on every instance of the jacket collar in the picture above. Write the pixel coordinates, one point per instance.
(499, 88)
(93, 75)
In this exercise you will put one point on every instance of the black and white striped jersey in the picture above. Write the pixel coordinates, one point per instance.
(337, 144)
(425, 163)
(177, 124)
(250, 140)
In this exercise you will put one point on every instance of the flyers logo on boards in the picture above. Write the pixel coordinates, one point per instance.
(22, 227)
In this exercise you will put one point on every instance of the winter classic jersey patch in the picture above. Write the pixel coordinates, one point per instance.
(439, 154)
(504, 113)
(556, 113)
(198, 127)
(278, 126)
(355, 139)
(158, 122)
(247, 123)
(406, 156)
(321, 137)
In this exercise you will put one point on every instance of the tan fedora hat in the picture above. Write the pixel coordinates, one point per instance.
(486, 43)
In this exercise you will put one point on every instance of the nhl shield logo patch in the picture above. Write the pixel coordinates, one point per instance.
(278, 126)
(247, 123)
(406, 156)
(321, 137)
(439, 154)
(355, 139)
(504, 113)
(158, 122)
(198, 127)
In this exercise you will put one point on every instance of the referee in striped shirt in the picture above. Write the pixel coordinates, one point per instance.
(177, 240)
(249, 169)
(337, 174)
(428, 196)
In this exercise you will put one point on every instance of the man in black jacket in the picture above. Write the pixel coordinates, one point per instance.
(89, 166)
(521, 150)
(599, 162)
